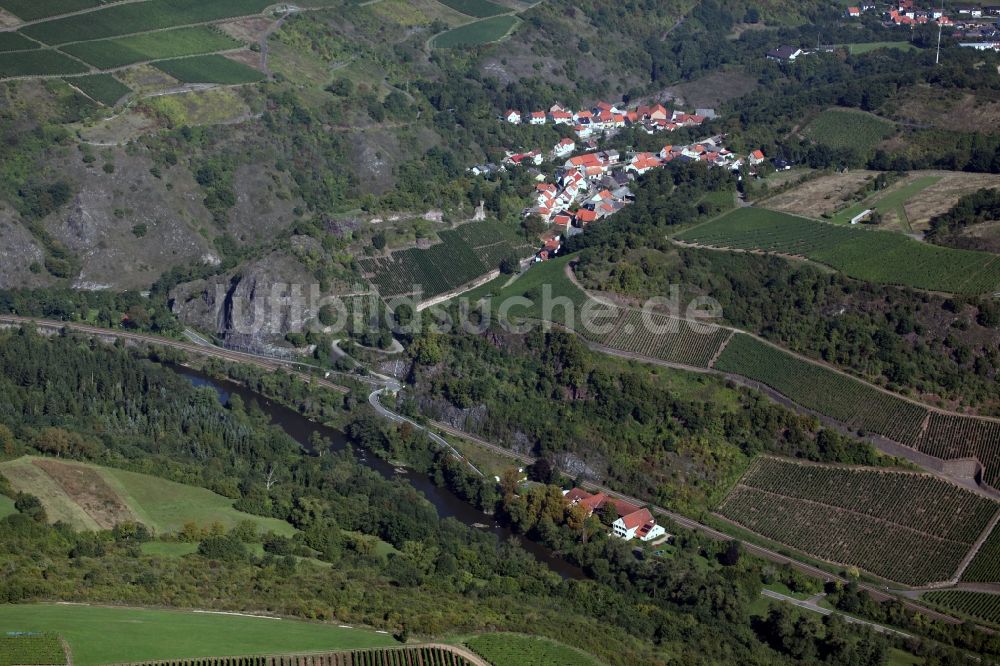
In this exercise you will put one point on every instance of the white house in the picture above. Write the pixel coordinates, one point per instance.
(637, 524)
(513, 117)
(537, 118)
(564, 147)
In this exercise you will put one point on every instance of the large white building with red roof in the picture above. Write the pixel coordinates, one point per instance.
(633, 521)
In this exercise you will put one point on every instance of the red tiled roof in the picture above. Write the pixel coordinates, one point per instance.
(757, 154)
(588, 159)
(584, 215)
(637, 519)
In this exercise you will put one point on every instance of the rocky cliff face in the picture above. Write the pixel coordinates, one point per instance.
(253, 306)
(128, 226)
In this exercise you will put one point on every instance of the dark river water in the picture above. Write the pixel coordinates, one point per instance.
(448, 504)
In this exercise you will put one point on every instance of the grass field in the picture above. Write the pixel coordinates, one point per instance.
(868, 47)
(477, 33)
(475, 8)
(31, 649)
(874, 256)
(109, 53)
(12, 41)
(104, 88)
(133, 18)
(38, 63)
(893, 202)
(518, 650)
(6, 506)
(980, 606)
(842, 128)
(103, 635)
(32, 10)
(92, 497)
(907, 527)
(209, 69)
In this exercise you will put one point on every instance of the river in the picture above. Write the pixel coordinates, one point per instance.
(448, 504)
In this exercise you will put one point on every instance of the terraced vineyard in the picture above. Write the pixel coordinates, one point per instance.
(463, 254)
(209, 69)
(826, 391)
(475, 8)
(985, 566)
(37, 63)
(906, 527)
(665, 338)
(29, 649)
(32, 10)
(402, 656)
(130, 18)
(103, 88)
(950, 436)
(981, 606)
(116, 35)
(474, 34)
(110, 53)
(874, 256)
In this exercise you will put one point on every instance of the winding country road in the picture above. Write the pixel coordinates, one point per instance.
(387, 384)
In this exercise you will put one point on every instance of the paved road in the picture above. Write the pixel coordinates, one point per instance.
(373, 400)
(812, 605)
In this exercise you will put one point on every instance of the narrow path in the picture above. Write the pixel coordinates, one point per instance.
(811, 605)
(967, 560)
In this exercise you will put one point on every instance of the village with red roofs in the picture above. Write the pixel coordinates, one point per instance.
(590, 186)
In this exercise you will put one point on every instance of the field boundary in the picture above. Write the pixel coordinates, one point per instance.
(976, 547)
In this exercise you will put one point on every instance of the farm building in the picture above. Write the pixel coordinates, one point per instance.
(632, 522)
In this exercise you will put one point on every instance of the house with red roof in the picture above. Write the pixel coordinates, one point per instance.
(561, 117)
(756, 157)
(537, 118)
(853, 12)
(632, 522)
(563, 148)
(513, 117)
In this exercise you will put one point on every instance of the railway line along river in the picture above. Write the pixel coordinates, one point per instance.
(448, 504)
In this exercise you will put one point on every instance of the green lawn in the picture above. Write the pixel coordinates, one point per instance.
(518, 650)
(6, 506)
(209, 69)
(163, 505)
(104, 635)
(169, 548)
(168, 505)
(477, 33)
(531, 285)
(868, 47)
(109, 53)
(849, 129)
